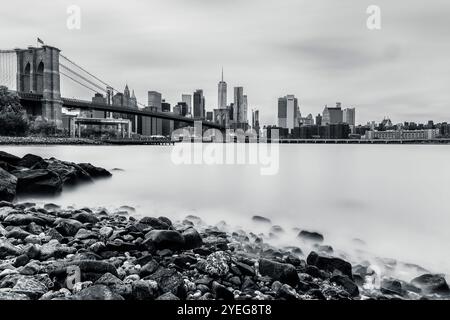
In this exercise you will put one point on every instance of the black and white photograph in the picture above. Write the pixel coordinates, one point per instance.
(224, 155)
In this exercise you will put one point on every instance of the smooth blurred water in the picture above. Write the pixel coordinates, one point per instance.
(394, 197)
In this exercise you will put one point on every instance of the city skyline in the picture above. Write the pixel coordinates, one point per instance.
(332, 57)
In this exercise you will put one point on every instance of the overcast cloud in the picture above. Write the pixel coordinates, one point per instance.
(319, 50)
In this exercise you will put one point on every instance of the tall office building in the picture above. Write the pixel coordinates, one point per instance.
(199, 104)
(244, 109)
(154, 100)
(349, 116)
(187, 98)
(238, 106)
(222, 94)
(255, 120)
(319, 120)
(155, 103)
(288, 112)
(332, 115)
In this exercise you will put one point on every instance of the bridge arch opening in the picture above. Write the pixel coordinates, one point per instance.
(40, 78)
(26, 79)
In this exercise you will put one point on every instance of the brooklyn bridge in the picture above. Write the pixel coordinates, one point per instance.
(36, 74)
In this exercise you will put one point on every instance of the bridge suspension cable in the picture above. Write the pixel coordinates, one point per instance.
(8, 69)
(82, 77)
(77, 81)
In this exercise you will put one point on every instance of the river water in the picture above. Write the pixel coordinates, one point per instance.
(396, 198)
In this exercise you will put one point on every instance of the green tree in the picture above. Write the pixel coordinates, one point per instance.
(12, 118)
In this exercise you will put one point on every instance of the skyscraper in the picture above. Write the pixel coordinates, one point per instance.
(222, 94)
(332, 115)
(255, 120)
(187, 98)
(349, 116)
(288, 112)
(244, 109)
(199, 104)
(238, 107)
(155, 103)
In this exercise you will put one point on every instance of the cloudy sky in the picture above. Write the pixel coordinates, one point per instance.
(319, 50)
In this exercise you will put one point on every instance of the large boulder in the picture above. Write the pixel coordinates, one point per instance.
(97, 292)
(283, 272)
(330, 264)
(216, 264)
(310, 236)
(155, 223)
(9, 158)
(95, 172)
(7, 249)
(29, 160)
(347, 284)
(192, 238)
(169, 280)
(432, 283)
(39, 181)
(8, 184)
(164, 239)
(70, 173)
(68, 227)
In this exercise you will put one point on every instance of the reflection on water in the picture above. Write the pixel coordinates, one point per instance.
(395, 198)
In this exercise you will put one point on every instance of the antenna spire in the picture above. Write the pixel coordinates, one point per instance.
(222, 74)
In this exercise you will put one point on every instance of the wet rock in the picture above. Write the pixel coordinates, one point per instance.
(391, 286)
(221, 292)
(8, 183)
(294, 260)
(9, 158)
(164, 239)
(283, 272)
(261, 219)
(8, 294)
(97, 292)
(346, 283)
(17, 233)
(86, 217)
(21, 260)
(310, 236)
(7, 249)
(184, 261)
(95, 172)
(20, 219)
(68, 227)
(106, 232)
(277, 229)
(432, 283)
(169, 280)
(70, 173)
(325, 249)
(245, 269)
(84, 234)
(115, 284)
(29, 286)
(330, 264)
(55, 249)
(144, 290)
(154, 223)
(39, 182)
(192, 238)
(286, 292)
(29, 160)
(149, 268)
(216, 264)
(167, 296)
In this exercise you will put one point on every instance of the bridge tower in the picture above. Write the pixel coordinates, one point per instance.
(38, 73)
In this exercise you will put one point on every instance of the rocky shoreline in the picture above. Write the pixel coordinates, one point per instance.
(48, 141)
(54, 253)
(48, 252)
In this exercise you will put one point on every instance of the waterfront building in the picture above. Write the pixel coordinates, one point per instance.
(255, 120)
(349, 116)
(424, 134)
(288, 112)
(332, 115)
(209, 116)
(319, 120)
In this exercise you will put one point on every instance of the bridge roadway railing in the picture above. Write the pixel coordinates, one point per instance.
(81, 104)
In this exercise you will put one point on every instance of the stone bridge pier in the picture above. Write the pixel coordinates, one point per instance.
(38, 73)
